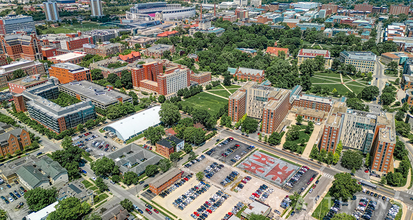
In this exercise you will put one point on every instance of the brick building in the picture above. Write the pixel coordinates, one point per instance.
(275, 111)
(48, 51)
(14, 140)
(103, 50)
(3, 60)
(29, 67)
(406, 82)
(75, 42)
(305, 54)
(162, 182)
(167, 146)
(21, 46)
(399, 9)
(19, 85)
(75, 57)
(333, 7)
(156, 51)
(363, 7)
(231, 18)
(67, 72)
(130, 58)
(313, 102)
(274, 51)
(201, 78)
(150, 76)
(237, 105)
(250, 74)
(331, 131)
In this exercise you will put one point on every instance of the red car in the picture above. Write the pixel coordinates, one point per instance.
(231, 138)
(209, 210)
(196, 213)
(148, 211)
(256, 195)
(209, 204)
(186, 179)
(237, 145)
(156, 211)
(243, 181)
(314, 186)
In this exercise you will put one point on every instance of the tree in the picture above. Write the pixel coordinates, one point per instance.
(161, 99)
(257, 217)
(169, 114)
(400, 115)
(164, 165)
(200, 175)
(116, 178)
(387, 98)
(80, 127)
(18, 74)
(67, 142)
(227, 80)
(93, 216)
(101, 185)
(275, 138)
(250, 125)
(126, 79)
(38, 198)
(96, 74)
(344, 186)
(352, 159)
(194, 135)
(343, 216)
(151, 170)
(174, 157)
(297, 201)
(127, 204)
(167, 55)
(103, 166)
(400, 150)
(69, 209)
(299, 119)
(369, 93)
(309, 128)
(118, 84)
(187, 148)
(130, 178)
(69, 158)
(308, 67)
(201, 116)
(154, 134)
(402, 128)
(112, 78)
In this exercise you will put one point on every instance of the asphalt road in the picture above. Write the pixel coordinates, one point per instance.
(400, 195)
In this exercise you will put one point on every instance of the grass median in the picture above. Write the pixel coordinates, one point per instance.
(160, 208)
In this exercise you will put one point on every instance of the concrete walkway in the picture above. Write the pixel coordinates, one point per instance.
(311, 141)
(405, 187)
(215, 95)
(226, 89)
(341, 77)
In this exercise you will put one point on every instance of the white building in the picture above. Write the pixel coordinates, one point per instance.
(43, 213)
(241, 2)
(227, 5)
(305, 5)
(163, 11)
(256, 3)
(96, 8)
(51, 11)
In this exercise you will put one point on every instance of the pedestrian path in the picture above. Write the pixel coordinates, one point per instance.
(410, 191)
(328, 175)
(215, 95)
(226, 89)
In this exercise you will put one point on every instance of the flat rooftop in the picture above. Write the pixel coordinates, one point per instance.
(73, 68)
(95, 92)
(160, 180)
(28, 80)
(68, 56)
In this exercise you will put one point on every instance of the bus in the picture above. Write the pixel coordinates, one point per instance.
(365, 183)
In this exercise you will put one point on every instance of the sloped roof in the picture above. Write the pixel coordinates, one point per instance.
(50, 167)
(5, 136)
(251, 71)
(160, 180)
(276, 50)
(129, 56)
(31, 175)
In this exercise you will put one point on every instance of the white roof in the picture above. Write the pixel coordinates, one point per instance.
(41, 214)
(136, 123)
(68, 56)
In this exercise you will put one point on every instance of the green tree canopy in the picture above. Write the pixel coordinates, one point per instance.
(344, 186)
(127, 204)
(69, 209)
(103, 166)
(154, 134)
(38, 198)
(169, 114)
(352, 160)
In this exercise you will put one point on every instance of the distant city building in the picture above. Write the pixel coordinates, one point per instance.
(333, 7)
(143, 41)
(305, 54)
(399, 9)
(16, 23)
(363, 61)
(100, 96)
(68, 72)
(100, 36)
(164, 11)
(51, 11)
(29, 68)
(74, 43)
(156, 51)
(305, 5)
(365, 7)
(21, 46)
(305, 26)
(256, 3)
(104, 50)
(96, 8)
(241, 2)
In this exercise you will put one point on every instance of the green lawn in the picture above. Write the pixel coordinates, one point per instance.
(233, 87)
(323, 208)
(223, 93)
(85, 26)
(205, 101)
(93, 188)
(232, 90)
(322, 80)
(100, 197)
(217, 87)
(341, 89)
(356, 87)
(87, 183)
(335, 75)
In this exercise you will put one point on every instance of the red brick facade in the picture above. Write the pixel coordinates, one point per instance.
(363, 7)
(330, 138)
(382, 153)
(201, 78)
(49, 52)
(272, 118)
(65, 76)
(158, 190)
(237, 107)
(76, 43)
(19, 103)
(16, 88)
(399, 9)
(245, 74)
(333, 7)
(312, 104)
(14, 144)
(164, 151)
(23, 47)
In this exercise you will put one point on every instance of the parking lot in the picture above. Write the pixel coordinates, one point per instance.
(303, 182)
(94, 143)
(11, 207)
(239, 150)
(220, 175)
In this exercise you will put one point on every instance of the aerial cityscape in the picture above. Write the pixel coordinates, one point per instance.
(206, 110)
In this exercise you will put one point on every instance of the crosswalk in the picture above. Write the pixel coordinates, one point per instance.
(409, 192)
(328, 175)
(410, 208)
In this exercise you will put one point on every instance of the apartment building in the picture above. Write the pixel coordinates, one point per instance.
(51, 11)
(167, 146)
(29, 67)
(21, 46)
(150, 76)
(11, 141)
(263, 102)
(363, 61)
(75, 57)
(330, 6)
(384, 144)
(312, 102)
(74, 43)
(100, 96)
(68, 72)
(16, 23)
(54, 117)
(156, 51)
(96, 8)
(104, 50)
(399, 9)
(19, 85)
(365, 7)
(305, 54)
(331, 132)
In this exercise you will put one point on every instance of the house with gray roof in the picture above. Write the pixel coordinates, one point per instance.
(250, 74)
(43, 173)
(134, 158)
